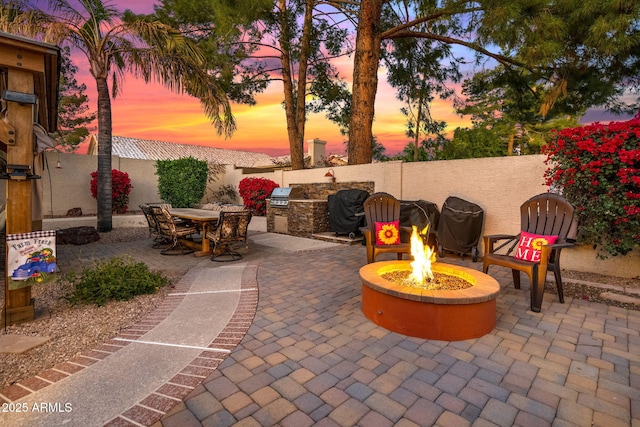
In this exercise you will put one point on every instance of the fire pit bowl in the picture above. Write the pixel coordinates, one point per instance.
(448, 315)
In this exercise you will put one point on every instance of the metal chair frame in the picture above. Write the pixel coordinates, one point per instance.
(159, 240)
(172, 232)
(231, 228)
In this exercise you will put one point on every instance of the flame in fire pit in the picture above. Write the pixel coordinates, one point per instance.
(423, 256)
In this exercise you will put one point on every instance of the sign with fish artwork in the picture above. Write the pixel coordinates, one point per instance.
(31, 258)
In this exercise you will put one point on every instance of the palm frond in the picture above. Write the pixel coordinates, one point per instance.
(116, 44)
(17, 18)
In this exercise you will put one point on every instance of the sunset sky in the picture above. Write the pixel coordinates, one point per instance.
(149, 111)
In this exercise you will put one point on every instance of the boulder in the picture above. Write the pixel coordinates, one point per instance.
(74, 212)
(77, 235)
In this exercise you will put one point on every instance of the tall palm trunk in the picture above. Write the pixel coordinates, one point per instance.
(104, 156)
(416, 140)
(365, 83)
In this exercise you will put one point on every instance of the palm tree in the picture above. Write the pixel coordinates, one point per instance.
(117, 43)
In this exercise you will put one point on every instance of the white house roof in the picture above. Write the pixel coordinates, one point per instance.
(144, 149)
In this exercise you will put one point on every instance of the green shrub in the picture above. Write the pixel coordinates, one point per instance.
(182, 182)
(118, 278)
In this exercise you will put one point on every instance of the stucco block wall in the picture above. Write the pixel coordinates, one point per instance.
(143, 179)
(70, 185)
(499, 185)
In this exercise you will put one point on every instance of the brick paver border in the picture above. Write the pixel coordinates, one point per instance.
(153, 407)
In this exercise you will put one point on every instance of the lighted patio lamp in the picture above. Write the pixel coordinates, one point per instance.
(330, 175)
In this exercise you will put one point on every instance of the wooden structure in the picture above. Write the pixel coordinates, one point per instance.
(29, 75)
(383, 207)
(546, 214)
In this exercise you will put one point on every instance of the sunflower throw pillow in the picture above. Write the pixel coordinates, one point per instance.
(388, 233)
(530, 245)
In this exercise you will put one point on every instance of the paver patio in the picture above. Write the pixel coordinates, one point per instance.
(310, 357)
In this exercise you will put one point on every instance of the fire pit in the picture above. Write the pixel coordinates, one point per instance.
(448, 315)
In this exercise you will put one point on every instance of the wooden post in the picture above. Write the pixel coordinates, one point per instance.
(20, 306)
(31, 68)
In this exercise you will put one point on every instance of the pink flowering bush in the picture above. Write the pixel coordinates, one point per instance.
(598, 169)
(120, 189)
(255, 192)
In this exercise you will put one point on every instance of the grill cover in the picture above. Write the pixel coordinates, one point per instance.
(460, 225)
(346, 211)
(419, 213)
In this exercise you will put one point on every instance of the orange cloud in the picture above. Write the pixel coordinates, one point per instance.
(150, 111)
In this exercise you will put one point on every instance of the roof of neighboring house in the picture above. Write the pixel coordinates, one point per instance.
(144, 149)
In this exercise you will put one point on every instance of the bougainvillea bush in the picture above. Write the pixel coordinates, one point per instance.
(598, 169)
(255, 192)
(120, 189)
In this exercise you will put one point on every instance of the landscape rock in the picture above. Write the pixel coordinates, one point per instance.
(77, 235)
(74, 212)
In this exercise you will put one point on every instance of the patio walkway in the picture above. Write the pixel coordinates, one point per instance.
(309, 356)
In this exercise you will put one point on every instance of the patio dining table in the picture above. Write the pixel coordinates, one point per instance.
(206, 219)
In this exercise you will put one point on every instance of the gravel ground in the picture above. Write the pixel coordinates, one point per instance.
(74, 329)
(580, 286)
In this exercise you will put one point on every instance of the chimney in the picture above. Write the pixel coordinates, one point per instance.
(317, 151)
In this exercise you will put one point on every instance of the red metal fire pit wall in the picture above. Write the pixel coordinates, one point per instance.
(450, 315)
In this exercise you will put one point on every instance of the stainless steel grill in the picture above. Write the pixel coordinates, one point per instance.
(280, 196)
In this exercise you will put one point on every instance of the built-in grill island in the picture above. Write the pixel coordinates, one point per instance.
(301, 209)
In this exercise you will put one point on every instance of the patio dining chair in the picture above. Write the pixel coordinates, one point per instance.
(546, 221)
(231, 228)
(382, 212)
(173, 232)
(159, 240)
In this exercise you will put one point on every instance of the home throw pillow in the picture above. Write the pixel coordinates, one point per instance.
(530, 245)
(388, 233)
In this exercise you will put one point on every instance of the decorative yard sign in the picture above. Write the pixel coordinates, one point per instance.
(31, 257)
